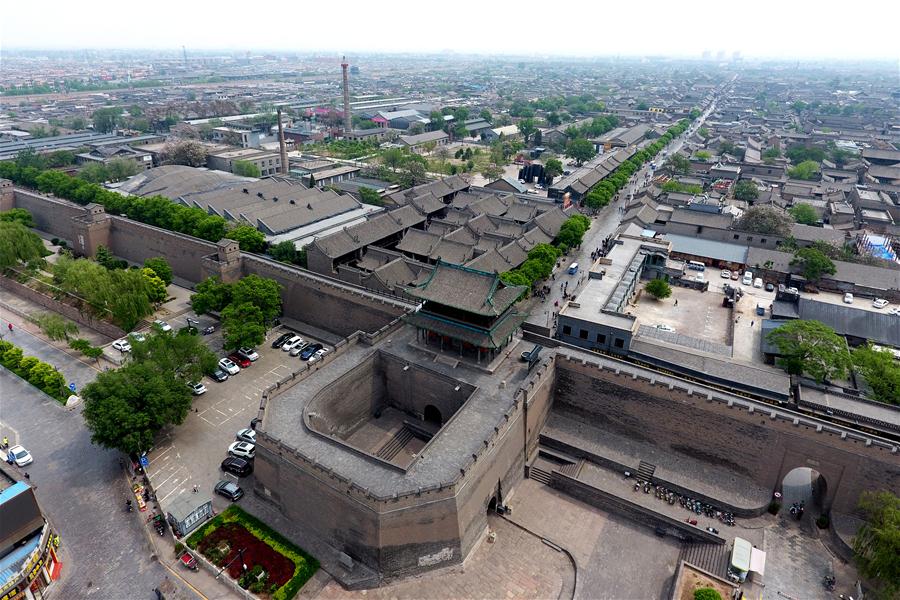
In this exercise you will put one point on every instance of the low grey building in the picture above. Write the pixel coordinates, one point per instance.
(187, 511)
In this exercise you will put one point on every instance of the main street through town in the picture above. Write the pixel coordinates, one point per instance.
(81, 488)
(603, 225)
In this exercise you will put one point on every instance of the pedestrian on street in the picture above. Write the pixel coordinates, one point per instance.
(5, 442)
(27, 476)
(751, 323)
(196, 489)
(10, 327)
(676, 301)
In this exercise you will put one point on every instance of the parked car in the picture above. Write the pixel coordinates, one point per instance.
(237, 466)
(318, 355)
(122, 345)
(726, 274)
(309, 351)
(880, 303)
(246, 435)
(848, 298)
(735, 275)
(219, 375)
(758, 282)
(664, 327)
(230, 490)
(162, 325)
(21, 456)
(770, 287)
(137, 336)
(227, 365)
(300, 347)
(281, 339)
(248, 353)
(289, 344)
(748, 278)
(239, 360)
(197, 388)
(242, 449)
(894, 311)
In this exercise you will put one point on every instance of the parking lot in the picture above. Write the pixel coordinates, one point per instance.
(189, 455)
(697, 314)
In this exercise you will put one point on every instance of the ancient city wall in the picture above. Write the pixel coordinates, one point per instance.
(349, 401)
(755, 440)
(411, 387)
(136, 242)
(50, 214)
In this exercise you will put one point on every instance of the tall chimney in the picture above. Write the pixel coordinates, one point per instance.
(282, 147)
(347, 120)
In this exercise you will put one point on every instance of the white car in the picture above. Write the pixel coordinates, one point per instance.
(197, 388)
(318, 355)
(122, 345)
(137, 336)
(758, 282)
(880, 303)
(726, 274)
(242, 450)
(294, 340)
(248, 353)
(21, 456)
(894, 311)
(246, 435)
(228, 366)
(848, 298)
(162, 325)
(664, 327)
(298, 348)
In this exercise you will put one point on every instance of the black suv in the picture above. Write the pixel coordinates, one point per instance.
(281, 339)
(237, 466)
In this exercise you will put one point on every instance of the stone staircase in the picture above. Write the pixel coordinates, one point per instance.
(709, 557)
(645, 472)
(539, 475)
(572, 469)
(393, 446)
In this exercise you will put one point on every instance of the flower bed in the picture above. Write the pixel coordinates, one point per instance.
(287, 567)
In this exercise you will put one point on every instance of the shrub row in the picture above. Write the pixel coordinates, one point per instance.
(41, 375)
(305, 565)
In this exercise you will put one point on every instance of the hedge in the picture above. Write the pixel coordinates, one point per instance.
(41, 375)
(305, 565)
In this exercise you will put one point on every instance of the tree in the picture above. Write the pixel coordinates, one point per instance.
(807, 170)
(881, 371)
(707, 594)
(553, 119)
(161, 267)
(393, 158)
(186, 152)
(678, 165)
(703, 132)
(211, 296)
(243, 325)
(156, 287)
(658, 288)
(285, 251)
(264, 294)
(770, 155)
(245, 168)
(436, 121)
(702, 155)
(17, 215)
(54, 326)
(813, 264)
(413, 173)
(106, 119)
(94, 173)
(876, 546)
(492, 172)
(184, 355)
(18, 244)
(765, 219)
(572, 232)
(485, 114)
(746, 191)
(527, 128)
(581, 150)
(804, 213)
(371, 196)
(811, 347)
(553, 167)
(248, 237)
(641, 106)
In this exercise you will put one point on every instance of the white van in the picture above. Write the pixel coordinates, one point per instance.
(748, 278)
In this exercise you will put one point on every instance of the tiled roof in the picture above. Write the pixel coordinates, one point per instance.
(467, 289)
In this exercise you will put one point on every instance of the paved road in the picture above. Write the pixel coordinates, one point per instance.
(81, 489)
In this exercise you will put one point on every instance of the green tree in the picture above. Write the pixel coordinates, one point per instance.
(678, 165)
(581, 150)
(658, 288)
(187, 152)
(17, 215)
(245, 168)
(527, 128)
(284, 251)
(413, 173)
(182, 355)
(707, 594)
(393, 158)
(243, 325)
(811, 347)
(553, 167)
(746, 191)
(106, 119)
(370, 196)
(765, 219)
(702, 155)
(770, 155)
(703, 132)
(642, 106)
(211, 295)
(54, 326)
(161, 267)
(248, 237)
(804, 213)
(553, 119)
(485, 114)
(572, 232)
(807, 170)
(492, 172)
(264, 294)
(881, 371)
(60, 158)
(94, 173)
(156, 287)
(876, 546)
(813, 264)
(18, 244)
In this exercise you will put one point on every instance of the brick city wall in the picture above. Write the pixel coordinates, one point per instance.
(748, 438)
(51, 215)
(136, 242)
(349, 401)
(413, 389)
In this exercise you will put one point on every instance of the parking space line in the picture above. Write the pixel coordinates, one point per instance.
(166, 480)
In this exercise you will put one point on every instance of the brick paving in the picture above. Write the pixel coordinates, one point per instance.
(518, 565)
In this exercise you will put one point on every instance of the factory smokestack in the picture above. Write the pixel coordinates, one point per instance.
(284, 158)
(347, 121)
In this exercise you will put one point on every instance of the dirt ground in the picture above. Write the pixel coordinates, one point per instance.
(693, 580)
(696, 314)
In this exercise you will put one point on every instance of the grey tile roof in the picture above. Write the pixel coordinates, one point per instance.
(467, 289)
(377, 228)
(881, 328)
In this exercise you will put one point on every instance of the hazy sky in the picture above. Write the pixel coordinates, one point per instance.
(785, 28)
